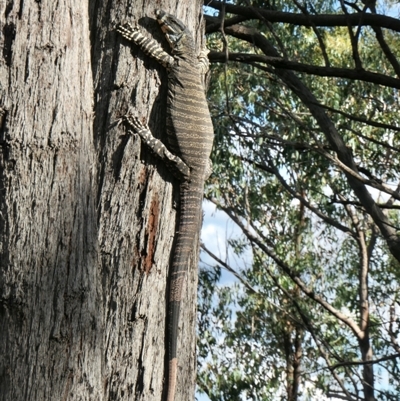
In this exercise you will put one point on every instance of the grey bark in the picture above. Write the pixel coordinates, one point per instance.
(87, 217)
(49, 282)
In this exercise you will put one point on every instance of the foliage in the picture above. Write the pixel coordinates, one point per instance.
(322, 293)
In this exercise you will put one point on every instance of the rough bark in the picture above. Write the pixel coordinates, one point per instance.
(87, 215)
(50, 299)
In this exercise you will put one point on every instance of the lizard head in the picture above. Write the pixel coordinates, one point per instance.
(178, 36)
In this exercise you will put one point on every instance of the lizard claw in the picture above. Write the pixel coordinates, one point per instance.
(119, 121)
(127, 30)
(135, 124)
(123, 117)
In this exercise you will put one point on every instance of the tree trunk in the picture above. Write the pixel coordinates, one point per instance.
(87, 216)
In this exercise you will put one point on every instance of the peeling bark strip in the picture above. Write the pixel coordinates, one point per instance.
(3, 114)
(151, 233)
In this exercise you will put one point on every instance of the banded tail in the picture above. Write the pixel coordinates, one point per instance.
(191, 195)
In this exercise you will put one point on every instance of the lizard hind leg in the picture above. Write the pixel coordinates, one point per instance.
(203, 62)
(175, 163)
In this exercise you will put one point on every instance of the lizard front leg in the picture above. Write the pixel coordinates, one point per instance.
(148, 45)
(172, 161)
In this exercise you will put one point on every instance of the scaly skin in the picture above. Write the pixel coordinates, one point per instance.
(190, 137)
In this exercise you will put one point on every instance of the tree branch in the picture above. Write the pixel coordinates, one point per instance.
(358, 363)
(280, 62)
(229, 269)
(320, 38)
(310, 327)
(328, 20)
(273, 170)
(367, 122)
(354, 174)
(363, 268)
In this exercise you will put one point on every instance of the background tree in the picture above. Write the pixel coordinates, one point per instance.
(306, 164)
(87, 217)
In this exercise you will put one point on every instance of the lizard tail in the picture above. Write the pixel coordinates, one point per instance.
(189, 223)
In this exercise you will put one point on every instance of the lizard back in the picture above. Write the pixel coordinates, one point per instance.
(190, 135)
(189, 126)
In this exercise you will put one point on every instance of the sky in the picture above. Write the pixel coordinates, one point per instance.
(217, 228)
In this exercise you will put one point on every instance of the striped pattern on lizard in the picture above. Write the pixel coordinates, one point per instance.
(190, 138)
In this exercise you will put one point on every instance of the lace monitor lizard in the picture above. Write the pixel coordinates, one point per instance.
(190, 138)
